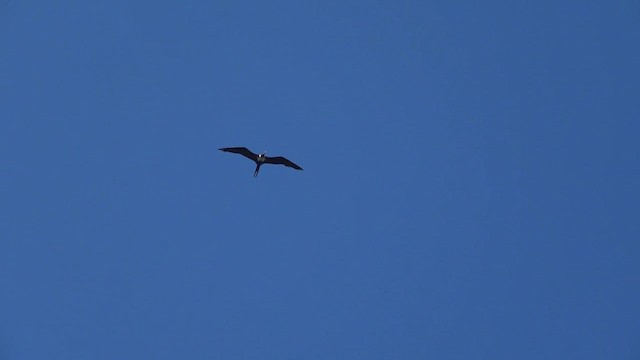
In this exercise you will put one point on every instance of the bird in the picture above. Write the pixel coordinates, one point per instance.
(261, 158)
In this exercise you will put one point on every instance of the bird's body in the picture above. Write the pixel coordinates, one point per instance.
(260, 159)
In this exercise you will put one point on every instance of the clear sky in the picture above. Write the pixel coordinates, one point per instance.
(470, 183)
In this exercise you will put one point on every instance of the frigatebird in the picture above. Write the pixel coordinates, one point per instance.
(261, 159)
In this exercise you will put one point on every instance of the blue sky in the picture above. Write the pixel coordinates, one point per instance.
(470, 187)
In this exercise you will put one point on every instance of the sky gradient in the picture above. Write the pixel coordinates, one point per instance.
(470, 183)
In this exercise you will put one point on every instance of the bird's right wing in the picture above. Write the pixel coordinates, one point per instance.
(281, 161)
(242, 151)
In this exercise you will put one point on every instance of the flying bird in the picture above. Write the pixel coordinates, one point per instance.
(261, 159)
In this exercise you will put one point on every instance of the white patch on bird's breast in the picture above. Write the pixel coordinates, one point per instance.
(261, 158)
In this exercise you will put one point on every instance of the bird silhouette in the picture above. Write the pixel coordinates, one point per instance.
(261, 158)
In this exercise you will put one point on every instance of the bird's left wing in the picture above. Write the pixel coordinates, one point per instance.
(242, 151)
(282, 161)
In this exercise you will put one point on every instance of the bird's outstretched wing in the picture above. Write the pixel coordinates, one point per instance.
(282, 161)
(242, 151)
